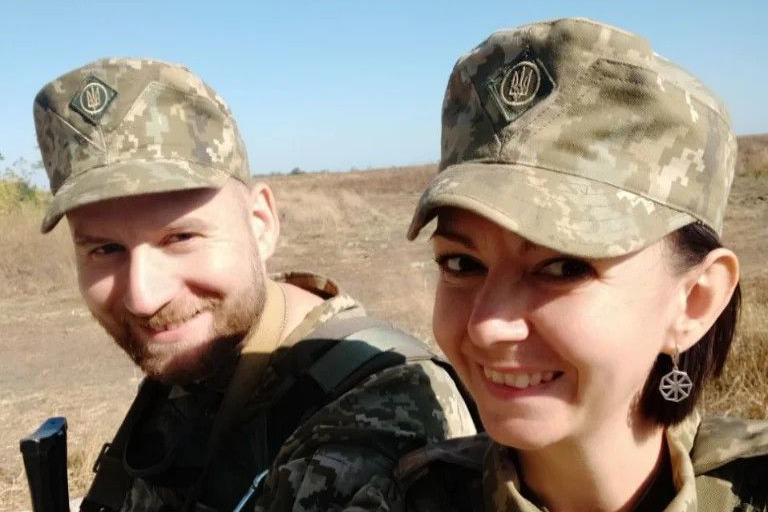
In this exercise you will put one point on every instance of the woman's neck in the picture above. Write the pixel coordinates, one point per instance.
(603, 472)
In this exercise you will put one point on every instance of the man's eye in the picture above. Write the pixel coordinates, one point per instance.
(179, 237)
(106, 249)
(566, 268)
(457, 264)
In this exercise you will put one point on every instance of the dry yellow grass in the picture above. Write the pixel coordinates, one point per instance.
(742, 389)
(30, 262)
(753, 155)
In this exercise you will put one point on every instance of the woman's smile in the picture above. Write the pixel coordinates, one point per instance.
(519, 379)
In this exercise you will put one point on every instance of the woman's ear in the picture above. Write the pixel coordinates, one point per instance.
(705, 291)
(263, 218)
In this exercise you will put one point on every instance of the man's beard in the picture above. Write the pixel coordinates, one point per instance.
(185, 361)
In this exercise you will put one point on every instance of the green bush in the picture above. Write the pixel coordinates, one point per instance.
(16, 192)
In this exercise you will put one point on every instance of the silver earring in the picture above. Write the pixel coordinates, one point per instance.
(676, 385)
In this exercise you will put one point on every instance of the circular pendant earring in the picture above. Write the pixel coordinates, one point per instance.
(676, 385)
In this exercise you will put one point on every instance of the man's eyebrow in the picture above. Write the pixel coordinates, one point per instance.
(453, 236)
(193, 223)
(85, 239)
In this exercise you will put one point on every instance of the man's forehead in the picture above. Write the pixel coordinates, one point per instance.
(149, 209)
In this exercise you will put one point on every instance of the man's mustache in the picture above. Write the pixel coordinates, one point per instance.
(172, 313)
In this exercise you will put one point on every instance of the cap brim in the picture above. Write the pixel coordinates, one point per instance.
(569, 214)
(129, 179)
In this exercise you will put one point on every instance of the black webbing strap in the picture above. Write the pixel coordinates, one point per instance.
(359, 348)
(372, 347)
(111, 481)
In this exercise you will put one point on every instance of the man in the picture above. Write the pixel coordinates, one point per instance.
(245, 372)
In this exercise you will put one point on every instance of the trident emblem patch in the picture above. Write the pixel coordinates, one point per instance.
(515, 87)
(521, 83)
(92, 99)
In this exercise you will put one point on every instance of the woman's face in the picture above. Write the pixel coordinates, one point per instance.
(553, 348)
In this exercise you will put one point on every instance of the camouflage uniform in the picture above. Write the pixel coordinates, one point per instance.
(344, 452)
(576, 136)
(718, 464)
(126, 127)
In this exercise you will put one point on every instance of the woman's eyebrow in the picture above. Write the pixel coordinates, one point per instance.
(453, 236)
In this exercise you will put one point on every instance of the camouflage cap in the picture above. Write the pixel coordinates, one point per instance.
(122, 127)
(578, 137)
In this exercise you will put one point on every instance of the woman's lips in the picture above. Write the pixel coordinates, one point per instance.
(520, 379)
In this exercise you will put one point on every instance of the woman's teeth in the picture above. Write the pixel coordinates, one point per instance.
(520, 380)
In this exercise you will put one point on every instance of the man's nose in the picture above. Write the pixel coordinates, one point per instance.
(149, 281)
(500, 311)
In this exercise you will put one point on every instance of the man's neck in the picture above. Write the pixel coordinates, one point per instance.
(605, 472)
(298, 303)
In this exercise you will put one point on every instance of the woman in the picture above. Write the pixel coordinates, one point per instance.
(584, 298)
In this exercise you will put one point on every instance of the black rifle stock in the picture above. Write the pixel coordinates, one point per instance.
(45, 462)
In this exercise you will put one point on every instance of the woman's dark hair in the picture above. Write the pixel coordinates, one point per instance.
(689, 246)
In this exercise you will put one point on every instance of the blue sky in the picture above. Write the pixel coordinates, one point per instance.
(341, 84)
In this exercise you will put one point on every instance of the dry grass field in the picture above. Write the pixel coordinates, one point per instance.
(54, 360)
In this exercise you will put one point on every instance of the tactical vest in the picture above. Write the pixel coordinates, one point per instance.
(315, 371)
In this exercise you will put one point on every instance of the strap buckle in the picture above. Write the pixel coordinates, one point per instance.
(102, 453)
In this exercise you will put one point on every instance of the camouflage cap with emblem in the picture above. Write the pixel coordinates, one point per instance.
(123, 127)
(578, 137)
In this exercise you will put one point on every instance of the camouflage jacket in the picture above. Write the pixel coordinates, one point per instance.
(718, 464)
(342, 453)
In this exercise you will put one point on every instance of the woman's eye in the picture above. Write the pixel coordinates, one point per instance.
(566, 268)
(457, 264)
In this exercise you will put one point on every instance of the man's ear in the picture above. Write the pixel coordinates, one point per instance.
(263, 219)
(705, 291)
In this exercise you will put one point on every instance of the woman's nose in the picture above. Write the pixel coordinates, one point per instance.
(500, 311)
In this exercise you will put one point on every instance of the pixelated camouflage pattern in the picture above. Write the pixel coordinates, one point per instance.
(164, 130)
(718, 464)
(345, 454)
(349, 449)
(626, 148)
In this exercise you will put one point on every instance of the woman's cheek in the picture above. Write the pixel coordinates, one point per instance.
(450, 316)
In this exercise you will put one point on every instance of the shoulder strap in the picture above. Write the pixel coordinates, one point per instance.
(375, 347)
(359, 347)
(259, 346)
(111, 481)
(257, 350)
(356, 348)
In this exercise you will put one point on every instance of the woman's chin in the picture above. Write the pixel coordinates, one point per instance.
(522, 434)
